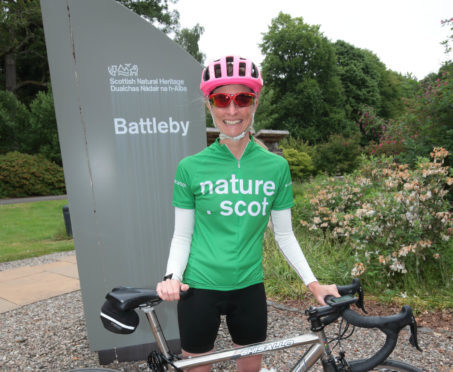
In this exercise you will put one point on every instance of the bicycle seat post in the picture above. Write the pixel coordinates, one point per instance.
(157, 332)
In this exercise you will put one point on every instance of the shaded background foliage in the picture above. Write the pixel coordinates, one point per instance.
(302, 85)
(324, 93)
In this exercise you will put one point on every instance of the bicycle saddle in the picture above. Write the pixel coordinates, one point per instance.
(128, 298)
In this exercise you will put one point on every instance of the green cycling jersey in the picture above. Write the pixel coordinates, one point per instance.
(232, 200)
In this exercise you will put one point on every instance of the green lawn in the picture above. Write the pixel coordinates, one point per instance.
(32, 229)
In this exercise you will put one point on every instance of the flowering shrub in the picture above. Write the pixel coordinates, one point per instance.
(427, 120)
(396, 220)
(370, 124)
(387, 145)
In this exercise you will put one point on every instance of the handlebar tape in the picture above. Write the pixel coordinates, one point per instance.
(349, 288)
(390, 325)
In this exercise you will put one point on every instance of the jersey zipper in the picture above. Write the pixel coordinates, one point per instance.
(238, 160)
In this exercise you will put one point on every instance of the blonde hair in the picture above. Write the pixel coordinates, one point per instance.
(261, 143)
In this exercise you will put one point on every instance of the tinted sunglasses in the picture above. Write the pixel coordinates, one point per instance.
(243, 99)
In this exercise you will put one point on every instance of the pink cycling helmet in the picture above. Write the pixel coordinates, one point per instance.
(231, 70)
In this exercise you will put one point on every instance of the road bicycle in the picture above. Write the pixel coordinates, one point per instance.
(119, 316)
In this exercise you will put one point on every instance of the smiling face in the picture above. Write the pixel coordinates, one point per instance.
(232, 120)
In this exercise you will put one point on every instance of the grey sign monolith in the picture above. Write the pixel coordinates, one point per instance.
(128, 108)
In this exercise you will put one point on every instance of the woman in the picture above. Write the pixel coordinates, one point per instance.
(223, 197)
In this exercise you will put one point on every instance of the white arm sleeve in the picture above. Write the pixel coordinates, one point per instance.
(180, 244)
(287, 242)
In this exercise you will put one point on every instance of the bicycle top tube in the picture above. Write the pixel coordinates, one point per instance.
(245, 351)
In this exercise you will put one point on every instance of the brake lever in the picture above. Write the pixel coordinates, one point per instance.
(360, 303)
(413, 339)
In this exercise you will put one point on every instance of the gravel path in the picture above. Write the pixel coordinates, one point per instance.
(50, 336)
(32, 199)
(41, 260)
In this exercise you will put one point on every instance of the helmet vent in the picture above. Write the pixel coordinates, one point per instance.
(242, 69)
(229, 65)
(254, 71)
(206, 74)
(217, 71)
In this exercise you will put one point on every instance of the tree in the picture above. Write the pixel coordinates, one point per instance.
(391, 91)
(14, 118)
(367, 82)
(447, 42)
(29, 130)
(189, 38)
(43, 128)
(155, 11)
(303, 89)
(427, 120)
(158, 13)
(23, 59)
(360, 76)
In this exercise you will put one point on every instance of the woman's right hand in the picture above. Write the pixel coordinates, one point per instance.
(168, 290)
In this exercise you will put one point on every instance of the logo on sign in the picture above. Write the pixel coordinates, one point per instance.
(128, 69)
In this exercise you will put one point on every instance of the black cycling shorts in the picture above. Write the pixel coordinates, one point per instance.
(199, 314)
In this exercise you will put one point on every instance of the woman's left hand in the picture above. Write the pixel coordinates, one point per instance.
(320, 291)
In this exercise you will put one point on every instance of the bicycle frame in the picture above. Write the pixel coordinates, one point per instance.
(319, 348)
(124, 299)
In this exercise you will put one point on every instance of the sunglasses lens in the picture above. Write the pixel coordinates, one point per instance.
(244, 99)
(220, 100)
(223, 100)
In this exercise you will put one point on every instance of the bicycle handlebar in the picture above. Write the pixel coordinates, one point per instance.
(352, 289)
(349, 288)
(390, 325)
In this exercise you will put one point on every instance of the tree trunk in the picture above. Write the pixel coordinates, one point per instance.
(10, 67)
(10, 72)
